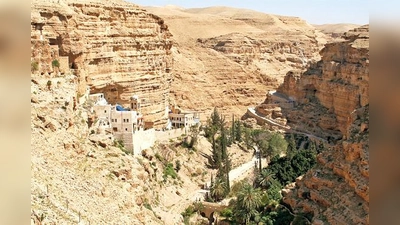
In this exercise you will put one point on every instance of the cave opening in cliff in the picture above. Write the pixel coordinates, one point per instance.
(72, 59)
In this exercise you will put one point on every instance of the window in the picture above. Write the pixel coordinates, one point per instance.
(127, 120)
(115, 129)
(105, 111)
(126, 129)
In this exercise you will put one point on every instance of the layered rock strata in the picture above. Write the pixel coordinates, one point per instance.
(228, 58)
(112, 47)
(333, 87)
(335, 93)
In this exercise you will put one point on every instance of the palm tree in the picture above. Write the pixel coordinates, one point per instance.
(265, 179)
(248, 200)
(218, 190)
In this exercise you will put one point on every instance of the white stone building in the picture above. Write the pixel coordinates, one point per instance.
(125, 124)
(179, 119)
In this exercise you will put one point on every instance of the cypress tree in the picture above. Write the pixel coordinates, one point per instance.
(233, 129)
(291, 148)
(238, 133)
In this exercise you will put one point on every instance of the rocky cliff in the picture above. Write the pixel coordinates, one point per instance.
(332, 96)
(113, 47)
(229, 58)
(332, 88)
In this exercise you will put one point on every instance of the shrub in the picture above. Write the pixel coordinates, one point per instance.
(120, 145)
(177, 165)
(227, 212)
(147, 205)
(190, 210)
(159, 157)
(55, 63)
(34, 66)
(169, 171)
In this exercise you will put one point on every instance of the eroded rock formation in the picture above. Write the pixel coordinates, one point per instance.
(335, 93)
(113, 47)
(228, 58)
(331, 89)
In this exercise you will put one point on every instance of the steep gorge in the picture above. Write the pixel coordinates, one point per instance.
(228, 58)
(333, 103)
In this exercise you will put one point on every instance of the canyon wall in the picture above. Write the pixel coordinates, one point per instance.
(332, 88)
(333, 103)
(229, 58)
(112, 47)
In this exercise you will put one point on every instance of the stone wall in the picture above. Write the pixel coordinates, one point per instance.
(143, 139)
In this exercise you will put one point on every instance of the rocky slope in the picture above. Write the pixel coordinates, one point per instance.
(229, 58)
(331, 89)
(114, 47)
(72, 179)
(78, 177)
(335, 93)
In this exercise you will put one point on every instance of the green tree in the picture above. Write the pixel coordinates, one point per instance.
(216, 153)
(265, 179)
(194, 135)
(55, 63)
(218, 190)
(247, 138)
(248, 201)
(232, 137)
(277, 145)
(312, 147)
(291, 147)
(238, 131)
(225, 167)
(260, 139)
(34, 66)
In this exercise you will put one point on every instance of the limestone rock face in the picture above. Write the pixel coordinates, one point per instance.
(228, 58)
(336, 191)
(339, 82)
(335, 93)
(113, 47)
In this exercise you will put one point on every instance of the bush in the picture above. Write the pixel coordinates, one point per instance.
(159, 157)
(177, 165)
(286, 170)
(55, 63)
(34, 66)
(189, 211)
(227, 213)
(120, 144)
(169, 171)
